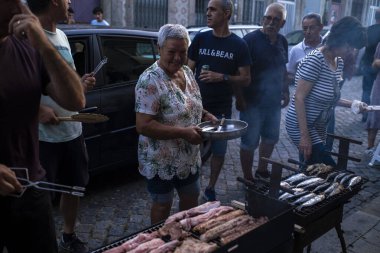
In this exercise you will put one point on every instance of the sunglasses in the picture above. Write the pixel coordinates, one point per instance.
(269, 19)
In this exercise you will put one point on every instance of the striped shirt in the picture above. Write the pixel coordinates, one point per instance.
(314, 68)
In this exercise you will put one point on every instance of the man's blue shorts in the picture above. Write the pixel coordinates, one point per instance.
(263, 123)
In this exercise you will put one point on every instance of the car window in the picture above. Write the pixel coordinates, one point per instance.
(80, 52)
(295, 37)
(238, 32)
(127, 57)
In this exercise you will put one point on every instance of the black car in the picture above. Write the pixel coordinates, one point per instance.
(112, 144)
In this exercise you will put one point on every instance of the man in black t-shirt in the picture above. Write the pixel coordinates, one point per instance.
(228, 59)
(369, 74)
(268, 91)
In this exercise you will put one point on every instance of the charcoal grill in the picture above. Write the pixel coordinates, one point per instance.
(281, 240)
(314, 221)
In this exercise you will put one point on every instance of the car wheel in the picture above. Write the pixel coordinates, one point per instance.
(205, 150)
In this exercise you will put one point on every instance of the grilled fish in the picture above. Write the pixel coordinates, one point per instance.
(331, 188)
(340, 176)
(304, 199)
(295, 177)
(331, 176)
(346, 178)
(312, 186)
(285, 184)
(287, 195)
(321, 187)
(318, 198)
(309, 181)
(354, 181)
(336, 190)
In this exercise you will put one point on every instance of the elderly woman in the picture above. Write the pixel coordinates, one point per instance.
(168, 108)
(318, 91)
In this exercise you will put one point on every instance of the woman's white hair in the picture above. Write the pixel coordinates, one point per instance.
(172, 31)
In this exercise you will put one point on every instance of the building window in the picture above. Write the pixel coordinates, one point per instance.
(253, 11)
(151, 14)
(200, 12)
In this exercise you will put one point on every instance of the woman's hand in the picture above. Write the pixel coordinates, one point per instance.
(210, 117)
(305, 147)
(192, 135)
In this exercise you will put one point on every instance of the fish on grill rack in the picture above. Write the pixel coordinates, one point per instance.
(310, 181)
(313, 201)
(295, 178)
(354, 181)
(304, 199)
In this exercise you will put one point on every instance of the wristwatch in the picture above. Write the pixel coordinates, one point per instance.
(226, 77)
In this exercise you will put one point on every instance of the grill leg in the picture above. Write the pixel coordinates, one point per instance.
(339, 231)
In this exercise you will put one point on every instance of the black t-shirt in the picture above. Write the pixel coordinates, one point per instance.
(267, 70)
(373, 38)
(223, 55)
(22, 79)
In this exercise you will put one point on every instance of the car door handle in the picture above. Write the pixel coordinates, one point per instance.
(89, 109)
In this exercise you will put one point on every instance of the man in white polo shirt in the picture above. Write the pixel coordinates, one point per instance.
(312, 27)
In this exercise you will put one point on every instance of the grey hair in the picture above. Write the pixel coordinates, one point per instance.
(313, 15)
(278, 7)
(228, 5)
(172, 31)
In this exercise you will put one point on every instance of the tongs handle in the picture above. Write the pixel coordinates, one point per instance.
(99, 66)
(43, 185)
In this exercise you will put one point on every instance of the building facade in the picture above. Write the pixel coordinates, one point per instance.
(152, 14)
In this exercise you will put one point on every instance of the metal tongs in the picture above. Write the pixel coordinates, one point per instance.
(43, 185)
(100, 65)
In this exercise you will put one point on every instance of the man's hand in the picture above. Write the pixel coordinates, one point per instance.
(88, 82)
(26, 25)
(210, 76)
(8, 181)
(46, 115)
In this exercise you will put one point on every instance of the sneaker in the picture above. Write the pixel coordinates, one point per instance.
(262, 174)
(74, 245)
(209, 194)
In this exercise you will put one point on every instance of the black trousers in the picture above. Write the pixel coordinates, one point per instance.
(27, 224)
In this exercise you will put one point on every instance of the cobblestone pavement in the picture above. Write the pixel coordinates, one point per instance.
(117, 204)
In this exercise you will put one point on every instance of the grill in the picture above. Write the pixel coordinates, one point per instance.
(279, 227)
(314, 221)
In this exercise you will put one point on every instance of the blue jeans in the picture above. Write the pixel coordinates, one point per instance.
(318, 155)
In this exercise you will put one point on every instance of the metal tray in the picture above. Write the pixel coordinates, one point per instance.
(231, 129)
